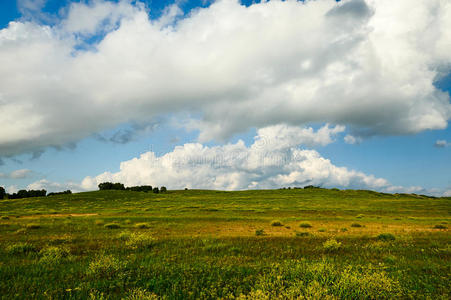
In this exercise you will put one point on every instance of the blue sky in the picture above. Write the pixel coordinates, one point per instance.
(405, 155)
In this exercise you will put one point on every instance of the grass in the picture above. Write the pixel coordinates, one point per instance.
(213, 244)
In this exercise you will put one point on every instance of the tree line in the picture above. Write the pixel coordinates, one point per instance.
(22, 194)
(120, 187)
(102, 186)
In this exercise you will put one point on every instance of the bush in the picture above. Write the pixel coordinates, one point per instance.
(139, 294)
(276, 223)
(386, 237)
(331, 245)
(142, 225)
(259, 232)
(21, 248)
(163, 189)
(356, 225)
(344, 229)
(124, 236)
(303, 234)
(33, 226)
(112, 226)
(53, 255)
(294, 279)
(140, 241)
(156, 190)
(305, 225)
(322, 230)
(360, 216)
(5, 218)
(440, 226)
(105, 266)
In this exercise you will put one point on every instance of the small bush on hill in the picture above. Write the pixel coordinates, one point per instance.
(331, 245)
(140, 294)
(259, 232)
(305, 225)
(21, 248)
(33, 226)
(276, 223)
(105, 266)
(142, 225)
(53, 255)
(140, 241)
(112, 226)
(303, 234)
(440, 226)
(386, 237)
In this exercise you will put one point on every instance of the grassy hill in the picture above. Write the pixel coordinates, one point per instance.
(267, 244)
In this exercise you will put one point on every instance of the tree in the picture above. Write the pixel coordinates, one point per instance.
(105, 186)
(163, 189)
(2, 192)
(156, 190)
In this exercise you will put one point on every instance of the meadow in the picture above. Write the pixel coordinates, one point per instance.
(195, 244)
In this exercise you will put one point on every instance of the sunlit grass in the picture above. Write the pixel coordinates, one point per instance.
(224, 245)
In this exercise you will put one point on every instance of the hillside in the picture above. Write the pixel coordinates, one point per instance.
(213, 244)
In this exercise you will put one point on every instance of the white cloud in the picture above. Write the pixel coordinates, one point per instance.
(17, 174)
(441, 144)
(272, 161)
(12, 189)
(29, 8)
(350, 139)
(97, 16)
(367, 65)
(50, 186)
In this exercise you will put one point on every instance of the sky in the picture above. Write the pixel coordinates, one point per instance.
(226, 94)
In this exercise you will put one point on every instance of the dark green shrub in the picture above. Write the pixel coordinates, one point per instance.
(305, 225)
(276, 223)
(21, 248)
(386, 237)
(440, 226)
(259, 232)
(303, 234)
(112, 226)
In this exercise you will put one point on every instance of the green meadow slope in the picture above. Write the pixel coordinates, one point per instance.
(267, 244)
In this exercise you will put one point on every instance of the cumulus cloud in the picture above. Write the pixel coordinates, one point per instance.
(272, 161)
(17, 174)
(441, 144)
(50, 186)
(364, 64)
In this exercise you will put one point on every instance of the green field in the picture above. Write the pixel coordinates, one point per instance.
(268, 244)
